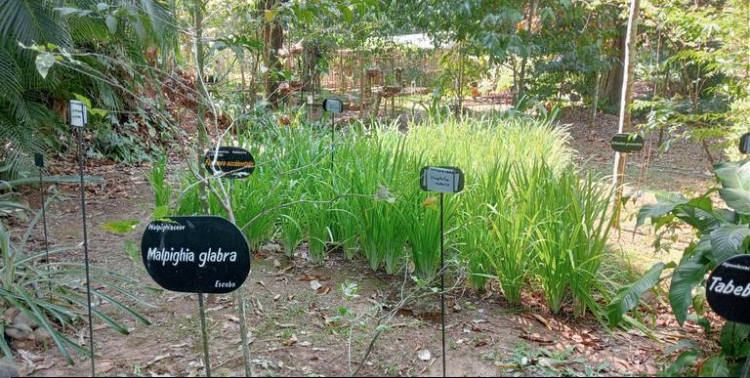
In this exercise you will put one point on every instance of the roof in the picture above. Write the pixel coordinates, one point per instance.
(420, 41)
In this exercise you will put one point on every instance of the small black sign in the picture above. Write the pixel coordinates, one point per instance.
(208, 255)
(745, 144)
(334, 106)
(728, 289)
(39, 161)
(627, 143)
(233, 162)
(442, 179)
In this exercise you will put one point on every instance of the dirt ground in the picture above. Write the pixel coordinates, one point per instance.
(293, 304)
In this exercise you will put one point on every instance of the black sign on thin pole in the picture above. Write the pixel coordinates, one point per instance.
(728, 293)
(230, 162)
(78, 118)
(234, 163)
(442, 180)
(39, 163)
(212, 251)
(745, 144)
(627, 143)
(333, 107)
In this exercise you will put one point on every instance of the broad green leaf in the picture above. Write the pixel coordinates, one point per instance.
(121, 227)
(629, 296)
(727, 241)
(666, 203)
(737, 199)
(85, 100)
(715, 367)
(687, 359)
(688, 275)
(112, 24)
(733, 175)
(733, 338)
(44, 63)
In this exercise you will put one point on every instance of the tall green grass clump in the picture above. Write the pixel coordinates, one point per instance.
(526, 218)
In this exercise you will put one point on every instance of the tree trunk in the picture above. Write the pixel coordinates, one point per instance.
(460, 85)
(200, 63)
(612, 89)
(624, 125)
(522, 74)
(273, 36)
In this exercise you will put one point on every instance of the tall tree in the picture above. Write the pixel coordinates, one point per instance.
(273, 37)
(624, 125)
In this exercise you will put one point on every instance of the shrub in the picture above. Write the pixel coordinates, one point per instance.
(525, 217)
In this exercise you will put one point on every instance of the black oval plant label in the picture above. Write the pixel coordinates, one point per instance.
(745, 144)
(206, 255)
(627, 143)
(728, 289)
(233, 162)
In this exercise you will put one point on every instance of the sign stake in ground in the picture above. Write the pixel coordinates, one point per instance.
(39, 163)
(234, 163)
(333, 107)
(211, 251)
(204, 332)
(442, 180)
(78, 118)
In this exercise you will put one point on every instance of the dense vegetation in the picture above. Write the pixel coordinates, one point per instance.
(526, 216)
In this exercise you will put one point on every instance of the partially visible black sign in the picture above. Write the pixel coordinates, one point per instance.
(745, 144)
(208, 255)
(233, 162)
(728, 289)
(442, 179)
(333, 106)
(627, 143)
(39, 160)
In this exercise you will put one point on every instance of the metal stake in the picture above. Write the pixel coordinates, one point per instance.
(43, 190)
(442, 274)
(242, 312)
(333, 139)
(86, 249)
(205, 335)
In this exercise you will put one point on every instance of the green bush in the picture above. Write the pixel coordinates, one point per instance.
(526, 216)
(721, 232)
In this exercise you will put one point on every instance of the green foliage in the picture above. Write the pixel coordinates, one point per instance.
(52, 295)
(629, 296)
(526, 217)
(36, 78)
(160, 183)
(721, 233)
(699, 71)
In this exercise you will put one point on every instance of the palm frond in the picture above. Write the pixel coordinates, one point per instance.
(31, 21)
